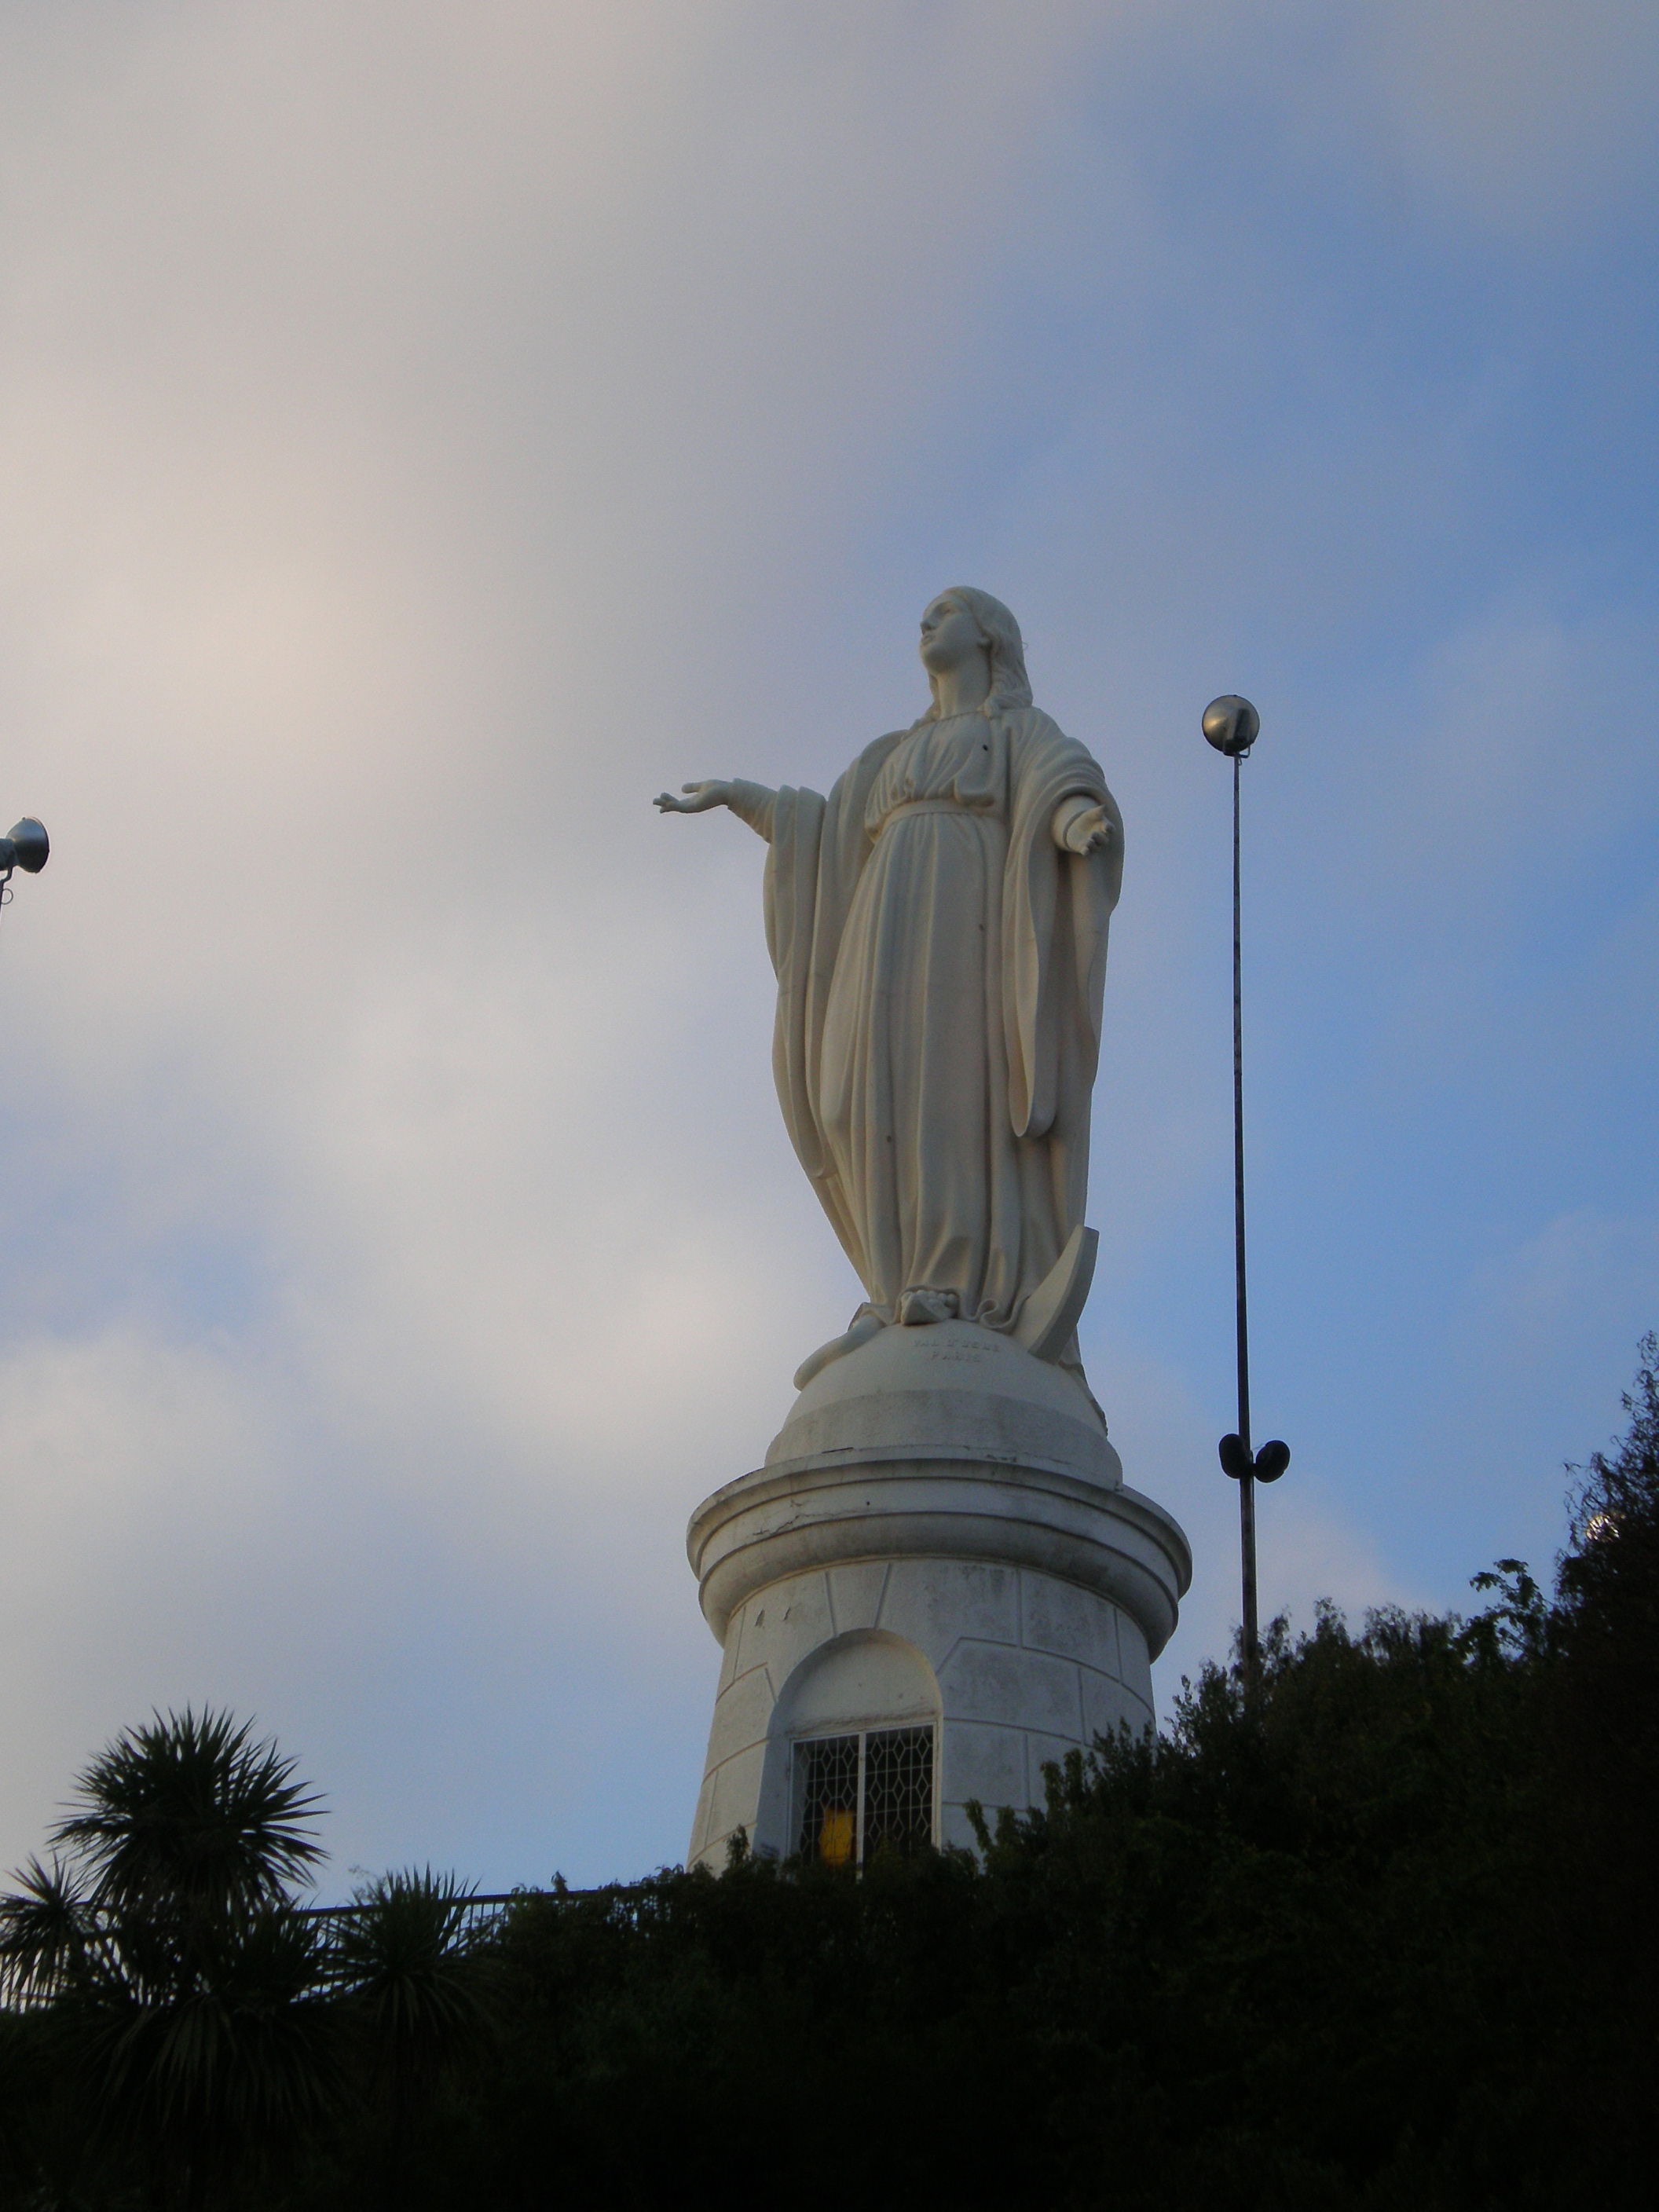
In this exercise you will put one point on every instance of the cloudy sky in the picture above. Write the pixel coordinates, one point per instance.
(428, 429)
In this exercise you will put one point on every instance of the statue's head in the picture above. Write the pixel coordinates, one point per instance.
(963, 622)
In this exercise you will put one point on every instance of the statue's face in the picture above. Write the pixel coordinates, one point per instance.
(950, 636)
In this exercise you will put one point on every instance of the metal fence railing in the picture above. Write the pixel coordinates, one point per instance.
(469, 1909)
(472, 1915)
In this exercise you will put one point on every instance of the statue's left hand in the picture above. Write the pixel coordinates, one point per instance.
(1088, 832)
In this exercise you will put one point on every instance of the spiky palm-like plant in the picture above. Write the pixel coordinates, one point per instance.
(165, 1934)
(405, 1962)
(191, 1812)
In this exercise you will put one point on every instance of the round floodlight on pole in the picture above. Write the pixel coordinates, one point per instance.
(1233, 726)
(27, 846)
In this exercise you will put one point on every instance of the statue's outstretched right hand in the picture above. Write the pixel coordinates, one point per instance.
(699, 798)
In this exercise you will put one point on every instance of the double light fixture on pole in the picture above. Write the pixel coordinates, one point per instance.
(1232, 726)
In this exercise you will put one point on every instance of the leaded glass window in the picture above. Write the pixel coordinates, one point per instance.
(858, 1795)
(898, 1790)
(830, 1799)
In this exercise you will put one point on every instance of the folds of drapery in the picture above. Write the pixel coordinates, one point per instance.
(1056, 906)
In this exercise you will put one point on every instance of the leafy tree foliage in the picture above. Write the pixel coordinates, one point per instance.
(1374, 1929)
(1607, 1622)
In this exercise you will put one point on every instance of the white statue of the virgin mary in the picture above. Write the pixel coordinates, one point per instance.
(939, 928)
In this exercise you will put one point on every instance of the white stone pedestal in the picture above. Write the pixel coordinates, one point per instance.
(940, 1537)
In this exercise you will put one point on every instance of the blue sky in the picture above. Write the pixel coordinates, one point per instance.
(428, 431)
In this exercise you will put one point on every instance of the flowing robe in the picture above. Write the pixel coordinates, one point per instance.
(940, 963)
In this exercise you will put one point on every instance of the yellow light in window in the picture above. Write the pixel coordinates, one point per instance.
(836, 1839)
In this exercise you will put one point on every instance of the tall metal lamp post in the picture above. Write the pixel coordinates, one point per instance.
(1232, 726)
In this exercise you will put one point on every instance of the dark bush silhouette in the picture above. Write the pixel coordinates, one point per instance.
(1376, 1930)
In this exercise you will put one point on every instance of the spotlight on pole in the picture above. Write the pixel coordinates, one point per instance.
(28, 846)
(1233, 726)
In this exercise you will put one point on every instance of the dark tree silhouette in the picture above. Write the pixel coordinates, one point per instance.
(405, 1961)
(1376, 1927)
(187, 1991)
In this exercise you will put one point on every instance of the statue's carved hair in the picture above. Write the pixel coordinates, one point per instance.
(1011, 686)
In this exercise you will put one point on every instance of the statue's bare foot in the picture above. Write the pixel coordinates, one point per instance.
(864, 1326)
(917, 1307)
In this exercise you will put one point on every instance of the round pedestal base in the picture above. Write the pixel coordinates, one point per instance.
(997, 1614)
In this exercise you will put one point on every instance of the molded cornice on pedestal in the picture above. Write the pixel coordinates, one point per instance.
(815, 1512)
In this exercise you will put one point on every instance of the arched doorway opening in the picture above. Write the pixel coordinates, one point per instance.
(852, 1763)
